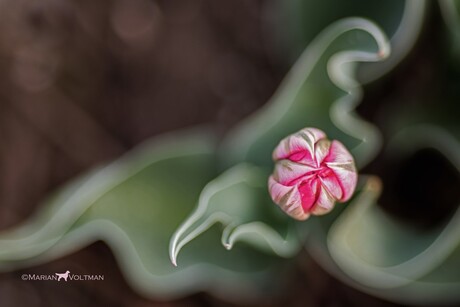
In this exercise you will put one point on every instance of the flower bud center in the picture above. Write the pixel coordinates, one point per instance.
(324, 172)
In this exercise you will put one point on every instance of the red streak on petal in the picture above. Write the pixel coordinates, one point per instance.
(297, 156)
(309, 192)
(303, 177)
(331, 183)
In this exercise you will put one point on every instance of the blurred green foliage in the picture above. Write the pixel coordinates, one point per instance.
(167, 196)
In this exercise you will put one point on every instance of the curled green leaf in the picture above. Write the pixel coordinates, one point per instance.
(393, 260)
(320, 91)
(238, 200)
(401, 20)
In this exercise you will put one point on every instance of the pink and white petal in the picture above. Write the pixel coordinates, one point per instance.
(338, 154)
(298, 213)
(284, 148)
(294, 148)
(322, 148)
(332, 184)
(324, 204)
(287, 198)
(347, 177)
(289, 173)
(300, 151)
(309, 191)
(314, 137)
(299, 147)
(310, 137)
(314, 134)
(318, 210)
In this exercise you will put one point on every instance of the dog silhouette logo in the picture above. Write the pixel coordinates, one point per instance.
(63, 275)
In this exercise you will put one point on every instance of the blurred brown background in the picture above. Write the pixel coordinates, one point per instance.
(84, 81)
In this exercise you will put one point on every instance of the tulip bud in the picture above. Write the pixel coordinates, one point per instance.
(311, 174)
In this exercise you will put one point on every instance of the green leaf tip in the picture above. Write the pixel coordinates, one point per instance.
(234, 200)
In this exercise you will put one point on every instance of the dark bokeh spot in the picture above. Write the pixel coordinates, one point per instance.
(36, 19)
(421, 188)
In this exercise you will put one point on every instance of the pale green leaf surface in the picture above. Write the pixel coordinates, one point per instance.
(134, 205)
